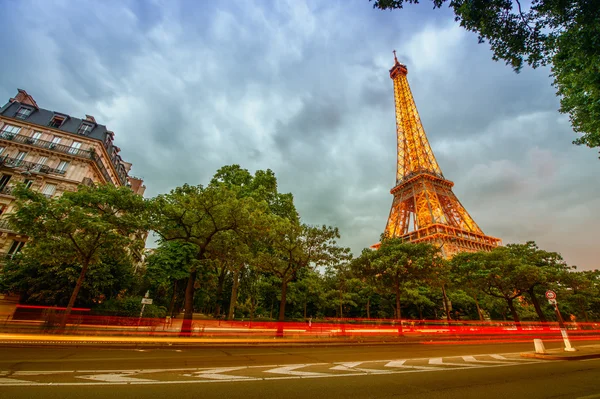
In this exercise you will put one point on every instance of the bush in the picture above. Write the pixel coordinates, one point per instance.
(129, 307)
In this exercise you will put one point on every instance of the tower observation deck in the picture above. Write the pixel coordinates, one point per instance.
(424, 208)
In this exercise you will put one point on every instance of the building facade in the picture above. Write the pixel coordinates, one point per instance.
(52, 152)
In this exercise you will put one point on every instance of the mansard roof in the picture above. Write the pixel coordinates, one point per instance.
(43, 117)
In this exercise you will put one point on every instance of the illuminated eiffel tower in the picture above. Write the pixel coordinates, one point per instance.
(424, 208)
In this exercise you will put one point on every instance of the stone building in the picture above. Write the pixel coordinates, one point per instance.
(52, 152)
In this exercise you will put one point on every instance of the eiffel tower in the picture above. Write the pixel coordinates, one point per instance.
(424, 208)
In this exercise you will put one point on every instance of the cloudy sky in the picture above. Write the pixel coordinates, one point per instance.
(302, 87)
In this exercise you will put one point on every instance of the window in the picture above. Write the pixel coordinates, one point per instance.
(56, 121)
(36, 136)
(1, 150)
(63, 165)
(28, 183)
(15, 248)
(49, 190)
(55, 141)
(4, 181)
(9, 131)
(74, 147)
(85, 129)
(21, 155)
(42, 161)
(23, 113)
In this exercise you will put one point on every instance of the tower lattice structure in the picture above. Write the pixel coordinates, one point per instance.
(424, 208)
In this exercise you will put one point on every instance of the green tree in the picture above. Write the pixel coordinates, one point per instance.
(292, 247)
(548, 267)
(169, 265)
(400, 262)
(202, 216)
(79, 229)
(562, 33)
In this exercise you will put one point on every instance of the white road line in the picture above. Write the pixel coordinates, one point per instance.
(472, 359)
(400, 364)
(215, 374)
(291, 370)
(114, 377)
(351, 366)
(12, 381)
(439, 361)
(517, 359)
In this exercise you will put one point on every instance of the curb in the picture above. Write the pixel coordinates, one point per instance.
(549, 356)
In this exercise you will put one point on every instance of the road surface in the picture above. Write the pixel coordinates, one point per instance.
(363, 371)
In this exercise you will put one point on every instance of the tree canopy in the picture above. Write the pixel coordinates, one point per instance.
(564, 34)
(79, 230)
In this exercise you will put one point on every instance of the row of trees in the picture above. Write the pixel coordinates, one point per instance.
(237, 248)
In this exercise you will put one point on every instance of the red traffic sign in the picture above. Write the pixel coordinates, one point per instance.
(550, 294)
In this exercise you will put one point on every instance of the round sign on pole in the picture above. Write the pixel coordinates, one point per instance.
(550, 294)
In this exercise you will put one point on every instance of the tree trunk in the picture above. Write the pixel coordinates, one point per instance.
(186, 326)
(281, 317)
(536, 305)
(74, 294)
(220, 283)
(173, 297)
(234, 291)
(446, 304)
(368, 307)
(479, 312)
(283, 300)
(514, 313)
(398, 311)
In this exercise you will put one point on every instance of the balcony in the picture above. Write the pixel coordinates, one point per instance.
(17, 138)
(9, 162)
(4, 225)
(6, 190)
(76, 152)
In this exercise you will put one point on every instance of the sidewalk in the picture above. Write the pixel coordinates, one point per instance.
(15, 340)
(582, 353)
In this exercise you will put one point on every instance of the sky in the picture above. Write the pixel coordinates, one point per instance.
(302, 88)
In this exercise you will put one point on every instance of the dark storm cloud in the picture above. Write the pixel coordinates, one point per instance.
(303, 88)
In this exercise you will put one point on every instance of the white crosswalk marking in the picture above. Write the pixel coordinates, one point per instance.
(260, 372)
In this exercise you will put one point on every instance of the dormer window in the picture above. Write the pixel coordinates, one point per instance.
(85, 129)
(56, 121)
(23, 113)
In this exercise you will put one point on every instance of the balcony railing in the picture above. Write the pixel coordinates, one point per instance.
(65, 149)
(29, 166)
(6, 190)
(4, 225)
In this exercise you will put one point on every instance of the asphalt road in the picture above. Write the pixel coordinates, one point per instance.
(363, 371)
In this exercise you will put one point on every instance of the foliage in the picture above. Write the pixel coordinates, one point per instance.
(77, 230)
(565, 34)
(129, 307)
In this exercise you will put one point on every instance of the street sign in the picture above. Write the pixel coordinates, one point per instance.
(550, 294)
(552, 301)
(147, 301)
